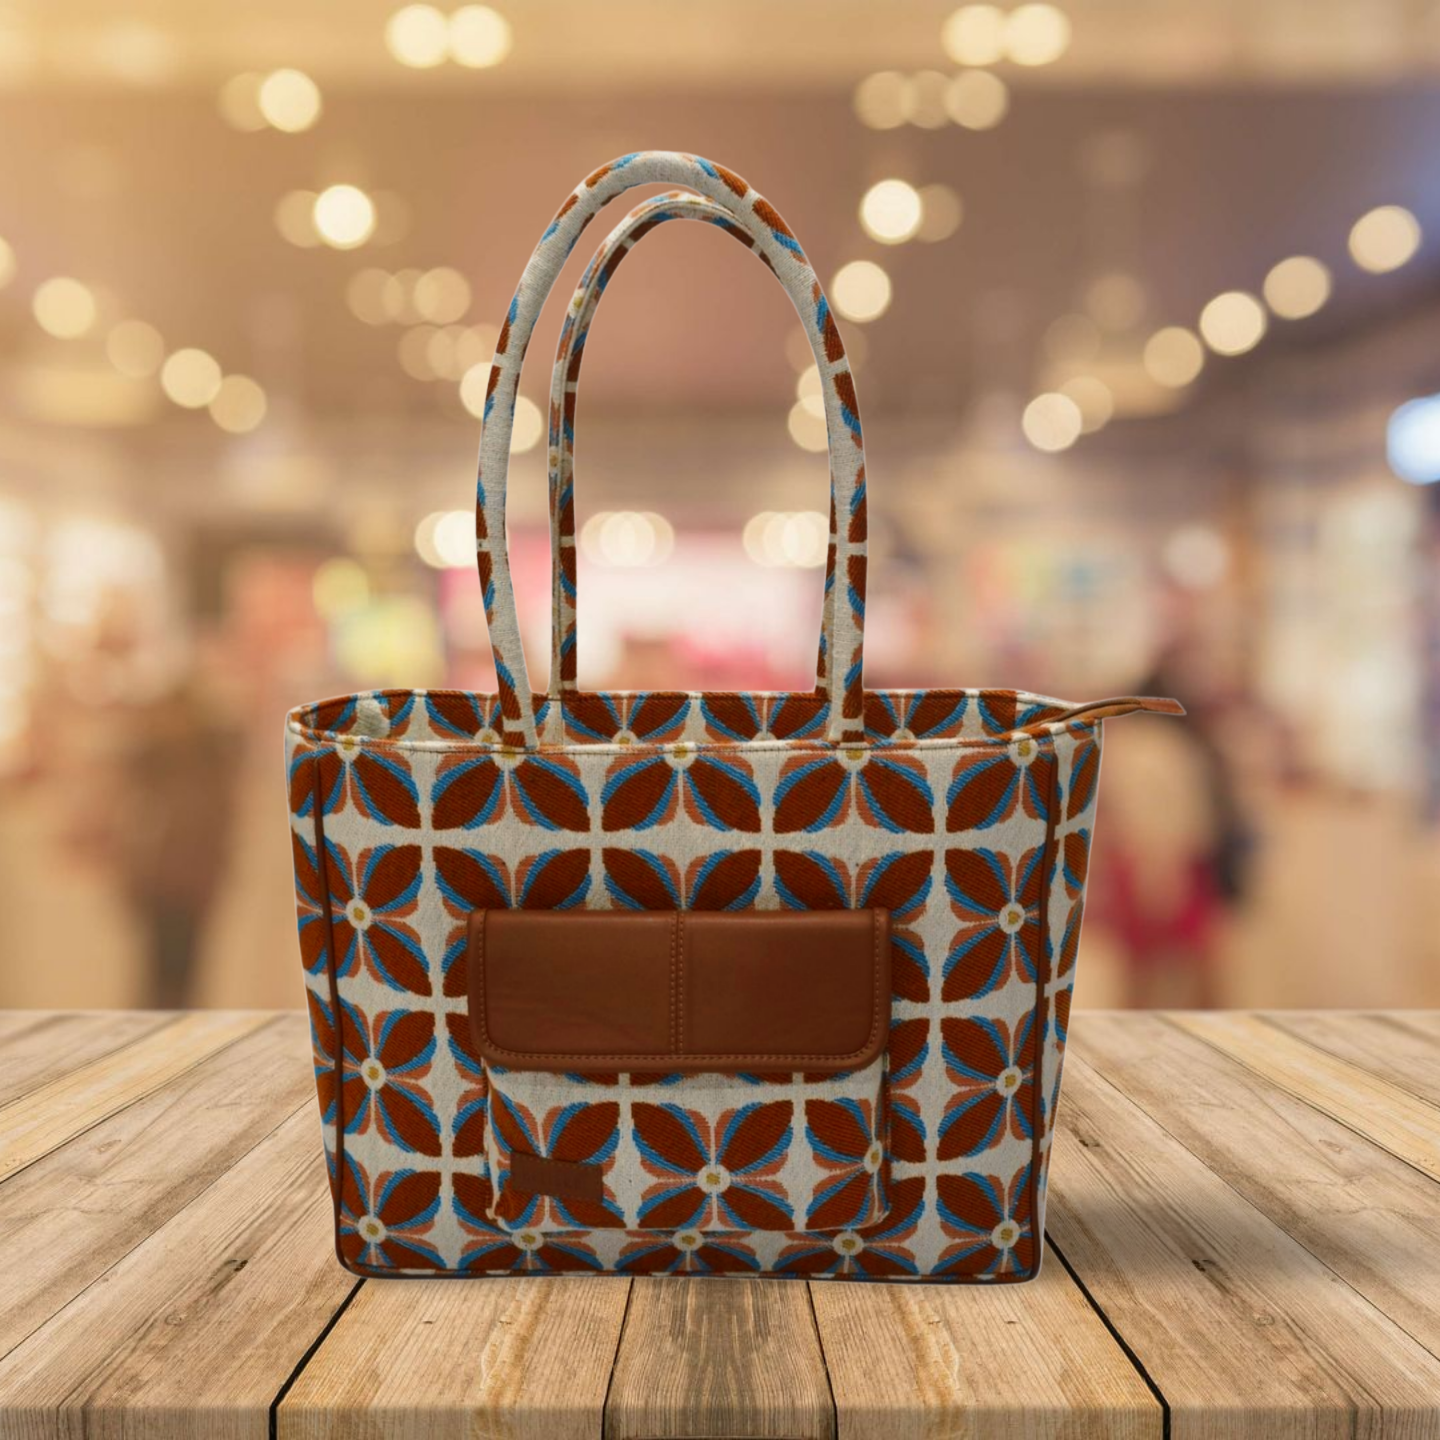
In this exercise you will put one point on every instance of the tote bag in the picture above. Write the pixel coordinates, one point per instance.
(758, 984)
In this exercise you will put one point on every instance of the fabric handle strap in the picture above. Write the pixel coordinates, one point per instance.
(564, 389)
(843, 677)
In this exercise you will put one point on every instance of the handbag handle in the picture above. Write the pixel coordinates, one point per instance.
(843, 678)
(564, 388)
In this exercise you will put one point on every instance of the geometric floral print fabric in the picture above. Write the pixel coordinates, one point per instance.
(407, 814)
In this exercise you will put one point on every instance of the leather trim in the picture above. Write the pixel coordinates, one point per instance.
(566, 1179)
(681, 991)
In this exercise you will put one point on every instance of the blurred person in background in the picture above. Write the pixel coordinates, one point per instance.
(171, 846)
(1178, 848)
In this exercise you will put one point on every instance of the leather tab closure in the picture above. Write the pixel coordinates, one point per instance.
(682, 991)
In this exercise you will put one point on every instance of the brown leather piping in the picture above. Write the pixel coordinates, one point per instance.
(681, 1060)
(1042, 966)
(338, 1062)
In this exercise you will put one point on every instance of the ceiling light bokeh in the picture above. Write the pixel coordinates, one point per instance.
(191, 377)
(861, 291)
(445, 539)
(344, 216)
(1233, 322)
(239, 405)
(790, 539)
(1297, 287)
(1052, 422)
(418, 36)
(977, 99)
(64, 307)
(1385, 238)
(627, 539)
(288, 100)
(975, 35)
(135, 348)
(891, 211)
(479, 36)
(882, 100)
(1173, 357)
(1036, 34)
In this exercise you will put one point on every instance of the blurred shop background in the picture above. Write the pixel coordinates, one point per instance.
(1144, 307)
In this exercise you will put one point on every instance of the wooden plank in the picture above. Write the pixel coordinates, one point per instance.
(70, 1216)
(526, 1359)
(41, 1121)
(719, 1357)
(198, 1328)
(1374, 1220)
(911, 1362)
(1403, 1123)
(1242, 1330)
(56, 1041)
(1400, 1046)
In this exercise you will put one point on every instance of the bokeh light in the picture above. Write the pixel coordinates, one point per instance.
(1384, 239)
(288, 100)
(479, 36)
(64, 307)
(1036, 34)
(627, 539)
(882, 100)
(239, 405)
(1412, 441)
(1297, 287)
(861, 291)
(135, 348)
(445, 539)
(1233, 323)
(191, 377)
(1052, 422)
(344, 216)
(975, 35)
(926, 102)
(977, 99)
(795, 539)
(441, 295)
(891, 211)
(1173, 357)
(418, 36)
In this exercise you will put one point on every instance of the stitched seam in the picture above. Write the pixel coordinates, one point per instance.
(677, 963)
(1041, 733)
(674, 987)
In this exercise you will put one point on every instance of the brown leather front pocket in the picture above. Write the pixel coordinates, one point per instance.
(689, 1073)
(685, 992)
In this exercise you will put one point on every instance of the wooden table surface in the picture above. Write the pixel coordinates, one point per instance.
(1244, 1241)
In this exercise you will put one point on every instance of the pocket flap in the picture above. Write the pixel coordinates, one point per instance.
(682, 991)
